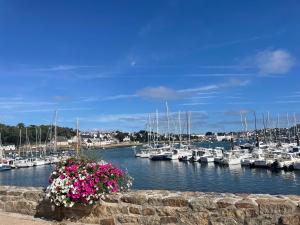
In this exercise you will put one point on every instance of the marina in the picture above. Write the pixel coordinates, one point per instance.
(176, 175)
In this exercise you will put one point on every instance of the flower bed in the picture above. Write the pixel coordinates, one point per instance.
(85, 181)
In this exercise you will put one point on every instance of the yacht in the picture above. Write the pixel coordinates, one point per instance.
(218, 154)
(39, 162)
(23, 163)
(11, 162)
(285, 160)
(179, 154)
(231, 158)
(143, 153)
(297, 164)
(207, 157)
(265, 161)
(4, 165)
(197, 154)
(160, 153)
(250, 160)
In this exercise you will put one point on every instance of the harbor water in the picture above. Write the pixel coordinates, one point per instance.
(174, 175)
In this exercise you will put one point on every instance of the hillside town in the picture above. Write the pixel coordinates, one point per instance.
(105, 139)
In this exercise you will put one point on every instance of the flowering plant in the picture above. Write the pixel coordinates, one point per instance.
(85, 181)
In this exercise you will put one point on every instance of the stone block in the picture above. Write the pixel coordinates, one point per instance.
(34, 196)
(137, 199)
(15, 192)
(107, 221)
(175, 202)
(168, 219)
(202, 204)
(155, 201)
(112, 198)
(134, 210)
(148, 212)
(9, 207)
(246, 203)
(289, 220)
(276, 206)
(149, 220)
(226, 202)
(127, 219)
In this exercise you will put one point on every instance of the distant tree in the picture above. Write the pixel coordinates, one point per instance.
(120, 136)
(10, 134)
(209, 133)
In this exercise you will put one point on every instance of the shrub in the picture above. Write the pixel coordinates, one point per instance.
(85, 181)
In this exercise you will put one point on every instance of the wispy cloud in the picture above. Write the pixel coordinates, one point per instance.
(52, 110)
(117, 97)
(19, 104)
(221, 75)
(63, 68)
(235, 42)
(143, 118)
(107, 98)
(278, 61)
(160, 92)
(165, 93)
(287, 101)
(195, 103)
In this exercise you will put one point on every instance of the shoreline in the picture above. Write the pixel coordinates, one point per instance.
(110, 146)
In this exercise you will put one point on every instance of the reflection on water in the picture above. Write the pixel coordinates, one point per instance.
(174, 175)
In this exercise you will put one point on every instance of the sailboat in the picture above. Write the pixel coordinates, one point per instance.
(38, 161)
(24, 162)
(4, 165)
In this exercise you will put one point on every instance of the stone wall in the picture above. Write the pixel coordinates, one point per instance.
(160, 207)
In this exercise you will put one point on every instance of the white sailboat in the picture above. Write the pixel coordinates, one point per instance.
(4, 165)
(231, 158)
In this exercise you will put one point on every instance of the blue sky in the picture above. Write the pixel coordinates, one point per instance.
(111, 63)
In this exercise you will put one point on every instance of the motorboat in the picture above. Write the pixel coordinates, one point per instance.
(198, 153)
(179, 153)
(285, 160)
(266, 161)
(23, 163)
(218, 154)
(250, 160)
(207, 157)
(296, 164)
(160, 153)
(39, 162)
(231, 158)
(4, 165)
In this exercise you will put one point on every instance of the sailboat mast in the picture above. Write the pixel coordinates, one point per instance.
(149, 129)
(55, 132)
(242, 121)
(188, 127)
(1, 150)
(179, 123)
(255, 126)
(157, 126)
(40, 140)
(264, 124)
(246, 126)
(277, 130)
(190, 115)
(36, 140)
(269, 127)
(20, 141)
(77, 146)
(26, 140)
(168, 123)
(295, 127)
(288, 127)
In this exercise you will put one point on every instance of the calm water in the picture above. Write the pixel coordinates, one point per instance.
(174, 175)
